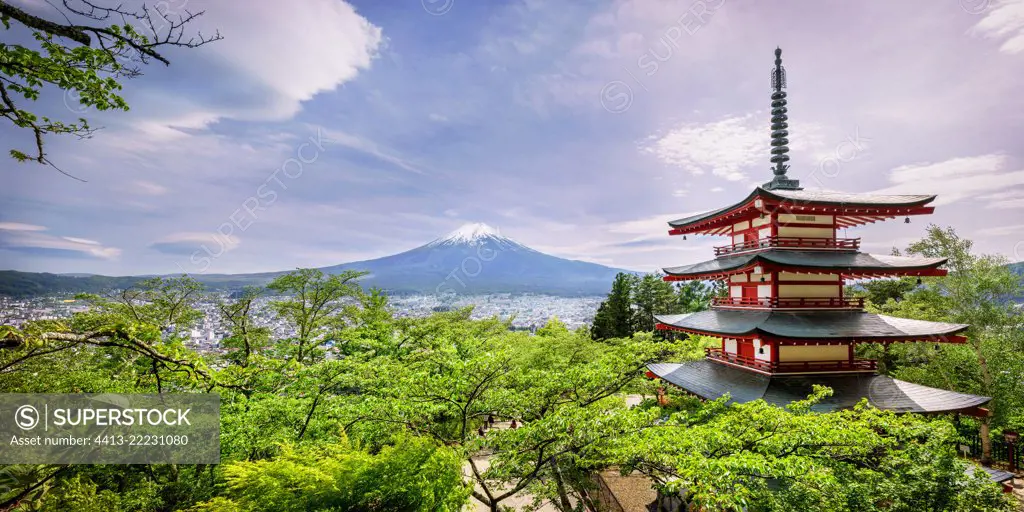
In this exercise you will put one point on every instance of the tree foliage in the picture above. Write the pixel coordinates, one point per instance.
(977, 291)
(382, 412)
(759, 457)
(634, 300)
(84, 53)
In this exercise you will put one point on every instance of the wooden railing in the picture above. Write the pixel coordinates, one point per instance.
(857, 365)
(790, 243)
(790, 302)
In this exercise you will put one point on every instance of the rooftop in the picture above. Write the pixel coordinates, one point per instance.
(816, 325)
(710, 380)
(841, 200)
(846, 262)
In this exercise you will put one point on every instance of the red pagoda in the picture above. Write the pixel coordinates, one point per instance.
(786, 324)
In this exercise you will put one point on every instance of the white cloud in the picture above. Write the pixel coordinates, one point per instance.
(83, 241)
(188, 243)
(1013, 198)
(231, 240)
(370, 148)
(955, 179)
(727, 147)
(27, 237)
(724, 147)
(148, 188)
(1004, 20)
(18, 226)
(282, 58)
(1002, 230)
(655, 224)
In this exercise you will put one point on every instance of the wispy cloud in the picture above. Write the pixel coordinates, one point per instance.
(186, 243)
(18, 226)
(1013, 198)
(148, 188)
(728, 147)
(1004, 20)
(955, 179)
(30, 239)
(1002, 230)
(368, 147)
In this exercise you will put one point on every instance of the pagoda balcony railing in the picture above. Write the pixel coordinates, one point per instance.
(857, 365)
(790, 243)
(790, 302)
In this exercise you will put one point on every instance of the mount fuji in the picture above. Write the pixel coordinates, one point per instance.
(473, 259)
(476, 258)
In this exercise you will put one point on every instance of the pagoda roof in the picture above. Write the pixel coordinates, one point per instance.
(815, 325)
(846, 262)
(710, 380)
(803, 197)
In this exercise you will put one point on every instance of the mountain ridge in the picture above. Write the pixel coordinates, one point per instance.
(475, 258)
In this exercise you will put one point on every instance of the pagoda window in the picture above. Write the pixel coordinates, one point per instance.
(762, 351)
(761, 221)
(729, 345)
(736, 291)
(738, 278)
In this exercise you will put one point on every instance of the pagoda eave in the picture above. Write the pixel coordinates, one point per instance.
(769, 338)
(845, 273)
(711, 380)
(763, 202)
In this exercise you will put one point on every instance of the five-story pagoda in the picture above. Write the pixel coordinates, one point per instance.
(786, 324)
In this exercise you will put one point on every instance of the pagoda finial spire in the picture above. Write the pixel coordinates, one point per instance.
(780, 133)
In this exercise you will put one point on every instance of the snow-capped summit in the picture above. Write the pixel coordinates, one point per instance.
(470, 232)
(475, 233)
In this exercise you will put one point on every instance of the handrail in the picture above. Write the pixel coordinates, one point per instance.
(791, 366)
(791, 243)
(790, 302)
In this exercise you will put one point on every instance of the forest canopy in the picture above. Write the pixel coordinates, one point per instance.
(363, 409)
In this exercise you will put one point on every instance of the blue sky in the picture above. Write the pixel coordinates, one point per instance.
(328, 131)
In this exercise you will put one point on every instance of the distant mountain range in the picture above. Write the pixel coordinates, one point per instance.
(472, 259)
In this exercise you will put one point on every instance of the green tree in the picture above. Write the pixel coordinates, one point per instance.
(165, 303)
(651, 295)
(245, 338)
(760, 457)
(634, 300)
(414, 474)
(880, 291)
(562, 388)
(314, 301)
(976, 291)
(84, 55)
(416, 395)
(614, 316)
(697, 295)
